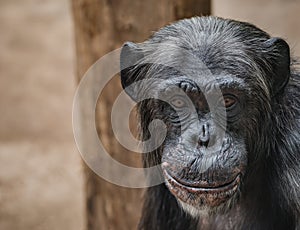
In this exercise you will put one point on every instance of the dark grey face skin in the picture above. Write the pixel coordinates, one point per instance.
(204, 156)
(230, 101)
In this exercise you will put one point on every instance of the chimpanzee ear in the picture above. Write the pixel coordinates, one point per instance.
(130, 55)
(280, 60)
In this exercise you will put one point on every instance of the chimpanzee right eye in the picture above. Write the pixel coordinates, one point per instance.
(178, 102)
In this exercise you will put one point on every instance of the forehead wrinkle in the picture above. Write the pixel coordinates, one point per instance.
(232, 82)
(215, 83)
(208, 84)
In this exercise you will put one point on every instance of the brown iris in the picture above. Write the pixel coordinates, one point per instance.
(178, 102)
(229, 101)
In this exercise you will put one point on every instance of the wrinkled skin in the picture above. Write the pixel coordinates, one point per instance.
(229, 97)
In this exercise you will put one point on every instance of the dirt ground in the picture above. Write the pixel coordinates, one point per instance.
(41, 183)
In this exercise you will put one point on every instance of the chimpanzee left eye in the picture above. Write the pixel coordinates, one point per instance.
(229, 101)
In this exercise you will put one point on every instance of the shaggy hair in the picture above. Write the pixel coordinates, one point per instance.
(270, 193)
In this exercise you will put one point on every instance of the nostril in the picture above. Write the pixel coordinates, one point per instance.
(207, 141)
(203, 143)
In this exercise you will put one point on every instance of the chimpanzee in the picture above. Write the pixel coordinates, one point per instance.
(229, 97)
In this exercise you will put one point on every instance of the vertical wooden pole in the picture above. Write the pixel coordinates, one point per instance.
(100, 27)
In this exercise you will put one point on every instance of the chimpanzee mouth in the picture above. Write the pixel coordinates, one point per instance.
(200, 194)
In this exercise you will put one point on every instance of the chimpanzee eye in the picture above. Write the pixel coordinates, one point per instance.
(229, 101)
(178, 102)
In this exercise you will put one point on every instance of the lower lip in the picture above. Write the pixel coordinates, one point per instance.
(212, 196)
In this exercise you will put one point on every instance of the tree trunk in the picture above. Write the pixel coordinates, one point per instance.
(100, 27)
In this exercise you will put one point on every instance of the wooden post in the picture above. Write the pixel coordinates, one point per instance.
(100, 27)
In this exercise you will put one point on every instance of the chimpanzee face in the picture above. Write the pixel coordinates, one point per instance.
(212, 109)
(204, 155)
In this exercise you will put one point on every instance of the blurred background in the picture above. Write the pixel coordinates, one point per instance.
(41, 176)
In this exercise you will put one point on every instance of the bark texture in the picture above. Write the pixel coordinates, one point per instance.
(100, 27)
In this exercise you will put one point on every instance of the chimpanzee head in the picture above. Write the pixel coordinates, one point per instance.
(213, 83)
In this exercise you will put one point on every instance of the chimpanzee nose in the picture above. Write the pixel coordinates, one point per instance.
(205, 138)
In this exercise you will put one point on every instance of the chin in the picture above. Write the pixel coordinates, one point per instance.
(199, 199)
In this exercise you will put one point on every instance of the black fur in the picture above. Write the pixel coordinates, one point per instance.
(269, 196)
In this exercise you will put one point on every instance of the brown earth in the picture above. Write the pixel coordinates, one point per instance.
(41, 184)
